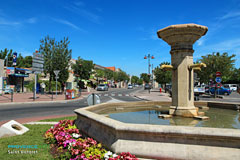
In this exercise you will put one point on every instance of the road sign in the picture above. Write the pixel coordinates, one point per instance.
(56, 72)
(15, 58)
(218, 85)
(218, 79)
(38, 62)
(218, 74)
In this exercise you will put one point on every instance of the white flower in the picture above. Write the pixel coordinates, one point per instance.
(75, 135)
(114, 155)
(107, 155)
(52, 127)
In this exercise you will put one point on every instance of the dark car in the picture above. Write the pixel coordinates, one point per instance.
(147, 86)
(221, 91)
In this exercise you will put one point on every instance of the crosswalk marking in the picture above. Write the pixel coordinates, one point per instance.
(113, 94)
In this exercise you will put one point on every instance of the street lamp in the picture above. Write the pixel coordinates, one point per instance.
(149, 65)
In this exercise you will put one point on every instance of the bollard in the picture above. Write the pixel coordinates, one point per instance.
(160, 90)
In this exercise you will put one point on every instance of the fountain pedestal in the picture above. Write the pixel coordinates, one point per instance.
(181, 39)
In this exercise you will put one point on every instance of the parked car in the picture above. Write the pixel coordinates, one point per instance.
(198, 90)
(102, 87)
(221, 91)
(233, 87)
(147, 86)
(130, 86)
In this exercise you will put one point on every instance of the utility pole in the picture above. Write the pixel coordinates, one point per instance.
(56, 72)
(149, 65)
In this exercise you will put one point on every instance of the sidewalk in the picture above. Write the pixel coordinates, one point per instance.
(28, 97)
(154, 95)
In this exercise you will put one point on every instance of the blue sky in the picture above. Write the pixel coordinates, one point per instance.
(118, 32)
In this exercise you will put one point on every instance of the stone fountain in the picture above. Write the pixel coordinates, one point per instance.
(181, 39)
(159, 141)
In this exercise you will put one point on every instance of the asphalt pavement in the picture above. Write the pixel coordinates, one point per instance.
(38, 109)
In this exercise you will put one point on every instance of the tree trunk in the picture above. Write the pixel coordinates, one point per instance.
(165, 88)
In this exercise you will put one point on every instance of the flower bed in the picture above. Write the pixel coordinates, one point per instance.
(67, 143)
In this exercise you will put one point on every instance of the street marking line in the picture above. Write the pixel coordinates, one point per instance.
(105, 94)
(127, 95)
(112, 94)
(119, 94)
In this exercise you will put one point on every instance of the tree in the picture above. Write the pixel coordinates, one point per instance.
(163, 76)
(216, 62)
(56, 57)
(140, 81)
(3, 53)
(108, 74)
(145, 77)
(82, 70)
(28, 61)
(134, 79)
(122, 76)
(235, 78)
(7, 54)
(20, 61)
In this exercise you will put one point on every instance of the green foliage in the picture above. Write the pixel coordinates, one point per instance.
(56, 57)
(134, 79)
(235, 78)
(163, 76)
(145, 77)
(108, 74)
(216, 62)
(140, 81)
(7, 54)
(30, 85)
(82, 70)
(120, 76)
(95, 150)
(22, 62)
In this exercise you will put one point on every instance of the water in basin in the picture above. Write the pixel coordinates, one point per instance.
(219, 118)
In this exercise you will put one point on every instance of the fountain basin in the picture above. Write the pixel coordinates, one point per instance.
(157, 141)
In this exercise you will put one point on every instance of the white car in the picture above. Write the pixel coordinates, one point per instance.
(130, 86)
(232, 87)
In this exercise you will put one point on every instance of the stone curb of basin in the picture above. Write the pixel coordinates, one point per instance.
(44, 102)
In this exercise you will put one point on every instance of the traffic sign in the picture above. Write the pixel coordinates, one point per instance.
(38, 62)
(218, 74)
(218, 85)
(15, 58)
(218, 79)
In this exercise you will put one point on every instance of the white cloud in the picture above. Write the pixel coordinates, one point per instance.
(200, 42)
(83, 12)
(233, 44)
(232, 14)
(9, 23)
(68, 24)
(31, 20)
(79, 3)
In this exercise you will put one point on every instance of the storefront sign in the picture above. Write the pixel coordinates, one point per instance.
(10, 70)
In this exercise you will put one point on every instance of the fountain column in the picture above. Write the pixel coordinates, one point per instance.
(181, 39)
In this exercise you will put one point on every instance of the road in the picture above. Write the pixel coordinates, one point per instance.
(10, 112)
(233, 97)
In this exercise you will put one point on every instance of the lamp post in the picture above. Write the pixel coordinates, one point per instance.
(149, 65)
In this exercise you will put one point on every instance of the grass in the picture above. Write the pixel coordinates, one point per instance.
(33, 137)
(58, 119)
